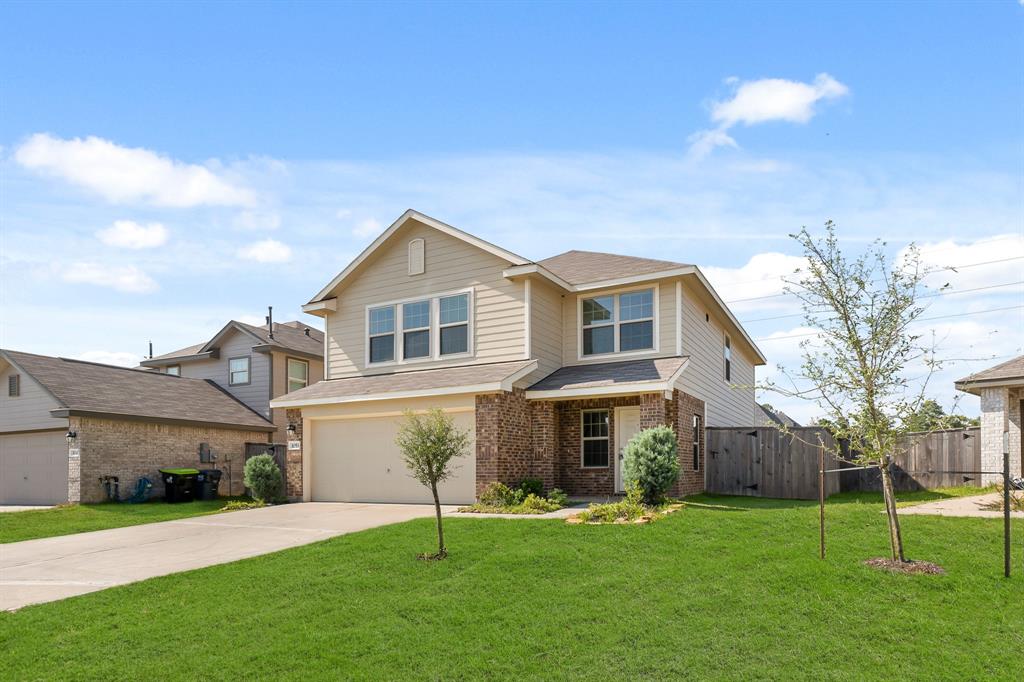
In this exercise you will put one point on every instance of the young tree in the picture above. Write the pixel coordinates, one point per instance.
(865, 366)
(429, 443)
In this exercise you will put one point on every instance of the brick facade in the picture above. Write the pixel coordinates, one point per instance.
(1000, 412)
(131, 449)
(504, 442)
(293, 458)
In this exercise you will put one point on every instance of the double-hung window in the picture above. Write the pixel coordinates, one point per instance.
(238, 371)
(453, 319)
(420, 329)
(594, 431)
(173, 370)
(298, 374)
(618, 323)
(382, 333)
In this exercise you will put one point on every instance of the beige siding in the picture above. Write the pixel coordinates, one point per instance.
(451, 265)
(280, 387)
(29, 411)
(545, 327)
(704, 378)
(665, 319)
(255, 394)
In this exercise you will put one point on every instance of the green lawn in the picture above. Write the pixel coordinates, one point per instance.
(733, 591)
(79, 518)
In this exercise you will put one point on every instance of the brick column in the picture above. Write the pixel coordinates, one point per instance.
(74, 466)
(542, 418)
(1013, 423)
(293, 459)
(653, 411)
(994, 408)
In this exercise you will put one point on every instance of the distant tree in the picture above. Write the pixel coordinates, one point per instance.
(429, 443)
(861, 364)
(931, 417)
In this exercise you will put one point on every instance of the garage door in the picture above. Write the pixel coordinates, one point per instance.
(34, 468)
(356, 460)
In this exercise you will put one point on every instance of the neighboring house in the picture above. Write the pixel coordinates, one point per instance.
(1001, 389)
(769, 416)
(67, 424)
(253, 364)
(550, 365)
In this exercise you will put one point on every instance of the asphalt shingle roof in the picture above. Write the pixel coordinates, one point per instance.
(610, 374)
(82, 386)
(582, 267)
(287, 336)
(1011, 369)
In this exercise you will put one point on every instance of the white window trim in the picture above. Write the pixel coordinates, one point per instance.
(608, 438)
(248, 371)
(432, 318)
(435, 329)
(603, 357)
(727, 368)
(287, 372)
(167, 370)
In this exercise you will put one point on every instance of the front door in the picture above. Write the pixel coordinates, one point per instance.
(627, 424)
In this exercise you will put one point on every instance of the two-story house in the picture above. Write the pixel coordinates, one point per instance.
(253, 363)
(552, 365)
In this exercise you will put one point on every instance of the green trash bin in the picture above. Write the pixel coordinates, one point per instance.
(180, 484)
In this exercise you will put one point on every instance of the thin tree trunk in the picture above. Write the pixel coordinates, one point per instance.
(441, 551)
(895, 537)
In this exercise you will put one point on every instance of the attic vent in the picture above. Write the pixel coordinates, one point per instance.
(416, 258)
(14, 385)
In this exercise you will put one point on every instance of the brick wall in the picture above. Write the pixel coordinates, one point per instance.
(994, 407)
(504, 441)
(131, 449)
(293, 458)
(691, 480)
(570, 475)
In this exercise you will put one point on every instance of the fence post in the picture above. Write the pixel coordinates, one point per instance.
(1006, 504)
(821, 501)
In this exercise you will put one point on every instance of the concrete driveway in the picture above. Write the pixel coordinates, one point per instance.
(49, 569)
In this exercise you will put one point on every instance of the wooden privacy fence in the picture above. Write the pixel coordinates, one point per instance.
(764, 462)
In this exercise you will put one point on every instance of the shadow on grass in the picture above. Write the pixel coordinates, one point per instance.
(742, 502)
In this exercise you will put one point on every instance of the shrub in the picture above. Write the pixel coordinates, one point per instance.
(499, 498)
(535, 504)
(558, 497)
(532, 486)
(629, 508)
(263, 477)
(239, 505)
(652, 462)
(498, 494)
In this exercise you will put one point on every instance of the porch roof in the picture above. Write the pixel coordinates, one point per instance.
(482, 378)
(1009, 373)
(610, 378)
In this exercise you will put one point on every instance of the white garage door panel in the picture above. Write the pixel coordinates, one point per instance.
(34, 468)
(356, 460)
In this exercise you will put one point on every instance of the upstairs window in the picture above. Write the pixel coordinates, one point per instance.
(298, 374)
(420, 329)
(453, 320)
(238, 371)
(727, 353)
(619, 323)
(14, 385)
(173, 370)
(382, 334)
(416, 330)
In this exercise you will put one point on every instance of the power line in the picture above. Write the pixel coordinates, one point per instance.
(954, 268)
(920, 319)
(937, 293)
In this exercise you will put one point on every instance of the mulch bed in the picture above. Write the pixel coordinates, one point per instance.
(906, 567)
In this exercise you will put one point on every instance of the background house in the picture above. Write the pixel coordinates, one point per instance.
(65, 425)
(551, 365)
(1001, 389)
(253, 363)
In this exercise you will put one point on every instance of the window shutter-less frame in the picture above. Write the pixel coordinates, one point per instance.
(417, 263)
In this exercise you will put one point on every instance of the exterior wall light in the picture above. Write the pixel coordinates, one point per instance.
(71, 436)
(291, 430)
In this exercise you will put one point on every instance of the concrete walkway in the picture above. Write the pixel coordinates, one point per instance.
(961, 506)
(49, 569)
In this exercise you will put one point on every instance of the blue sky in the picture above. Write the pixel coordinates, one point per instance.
(164, 167)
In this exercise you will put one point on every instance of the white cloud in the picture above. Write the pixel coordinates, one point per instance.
(127, 278)
(762, 275)
(366, 228)
(266, 251)
(129, 175)
(761, 101)
(257, 220)
(954, 261)
(128, 234)
(121, 358)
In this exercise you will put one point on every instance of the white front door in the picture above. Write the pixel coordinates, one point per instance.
(627, 424)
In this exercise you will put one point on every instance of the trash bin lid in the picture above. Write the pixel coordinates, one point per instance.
(180, 472)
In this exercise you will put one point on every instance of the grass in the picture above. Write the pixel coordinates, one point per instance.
(727, 588)
(79, 518)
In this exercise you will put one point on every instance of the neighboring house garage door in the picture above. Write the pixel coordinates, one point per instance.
(34, 468)
(356, 460)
